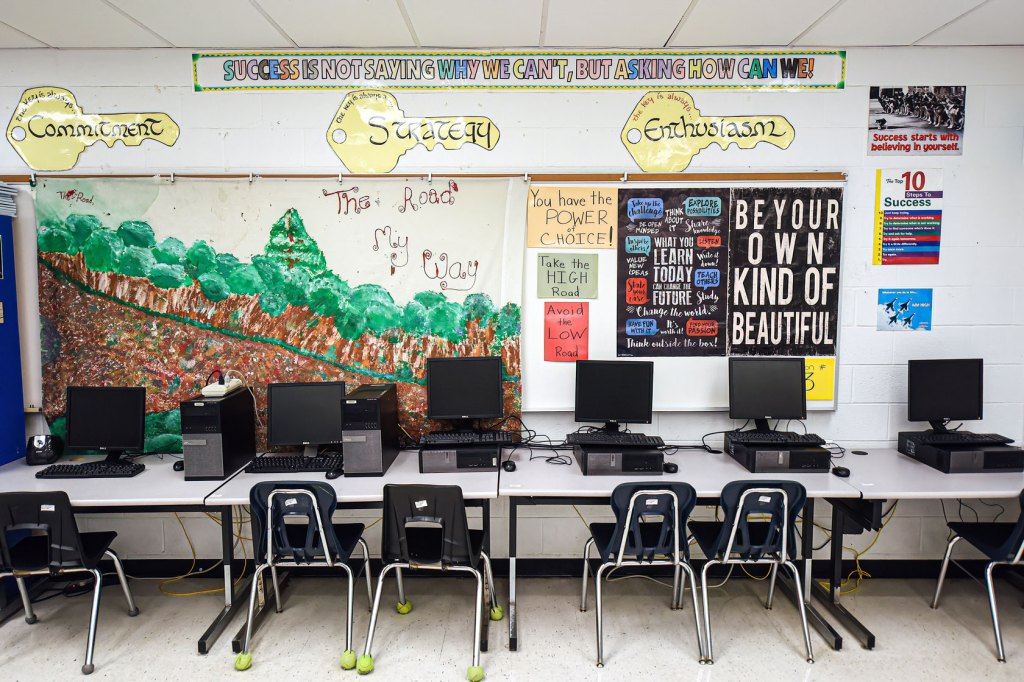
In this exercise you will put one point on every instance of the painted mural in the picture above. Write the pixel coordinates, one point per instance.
(153, 283)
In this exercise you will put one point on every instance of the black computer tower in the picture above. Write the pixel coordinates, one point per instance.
(765, 458)
(616, 460)
(960, 459)
(369, 429)
(218, 435)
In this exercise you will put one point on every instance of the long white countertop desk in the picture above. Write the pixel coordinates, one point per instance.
(884, 473)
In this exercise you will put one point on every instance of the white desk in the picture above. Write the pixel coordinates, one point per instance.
(538, 482)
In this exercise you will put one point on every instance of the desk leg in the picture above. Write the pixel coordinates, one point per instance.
(513, 625)
(830, 598)
(232, 600)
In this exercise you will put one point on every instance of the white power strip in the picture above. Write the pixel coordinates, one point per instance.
(218, 390)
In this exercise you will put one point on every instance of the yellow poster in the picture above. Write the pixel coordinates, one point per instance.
(50, 131)
(572, 217)
(666, 130)
(820, 378)
(370, 133)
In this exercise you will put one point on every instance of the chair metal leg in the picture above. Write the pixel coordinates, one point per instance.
(586, 573)
(803, 609)
(369, 578)
(489, 575)
(687, 570)
(277, 588)
(26, 601)
(709, 656)
(477, 613)
(368, 647)
(680, 601)
(942, 571)
(1000, 654)
(600, 623)
(93, 619)
(771, 586)
(253, 590)
(401, 585)
(348, 607)
(675, 587)
(133, 610)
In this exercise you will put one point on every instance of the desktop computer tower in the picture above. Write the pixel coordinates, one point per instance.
(369, 429)
(218, 435)
(958, 459)
(777, 458)
(450, 458)
(611, 460)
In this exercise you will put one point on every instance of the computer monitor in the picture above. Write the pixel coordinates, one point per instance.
(110, 419)
(614, 392)
(767, 388)
(307, 414)
(463, 389)
(941, 390)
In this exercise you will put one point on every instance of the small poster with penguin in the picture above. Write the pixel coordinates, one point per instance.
(904, 310)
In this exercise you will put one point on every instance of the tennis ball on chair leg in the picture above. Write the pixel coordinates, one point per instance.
(404, 607)
(475, 673)
(243, 661)
(497, 613)
(348, 659)
(365, 664)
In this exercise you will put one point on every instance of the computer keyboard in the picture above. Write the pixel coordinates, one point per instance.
(776, 437)
(290, 464)
(91, 470)
(964, 438)
(466, 438)
(604, 438)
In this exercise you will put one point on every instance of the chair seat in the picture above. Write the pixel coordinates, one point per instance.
(603, 534)
(988, 537)
(32, 553)
(423, 545)
(706, 534)
(348, 535)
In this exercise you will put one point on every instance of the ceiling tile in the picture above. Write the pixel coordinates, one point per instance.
(10, 37)
(340, 23)
(235, 24)
(997, 22)
(77, 23)
(471, 23)
(599, 23)
(884, 22)
(753, 23)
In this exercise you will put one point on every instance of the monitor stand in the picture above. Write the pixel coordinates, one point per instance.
(610, 427)
(938, 426)
(462, 426)
(116, 457)
(310, 450)
(762, 426)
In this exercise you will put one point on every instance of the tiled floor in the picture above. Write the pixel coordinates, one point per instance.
(643, 638)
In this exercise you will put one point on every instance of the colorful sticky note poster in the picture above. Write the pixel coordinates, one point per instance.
(820, 378)
(566, 275)
(566, 331)
(571, 217)
(916, 120)
(904, 310)
(908, 216)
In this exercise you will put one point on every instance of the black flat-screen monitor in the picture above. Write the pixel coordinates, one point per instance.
(941, 390)
(111, 419)
(767, 388)
(464, 388)
(614, 392)
(307, 414)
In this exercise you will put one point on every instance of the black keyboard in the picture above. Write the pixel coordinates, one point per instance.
(604, 438)
(91, 470)
(964, 438)
(775, 437)
(290, 464)
(466, 438)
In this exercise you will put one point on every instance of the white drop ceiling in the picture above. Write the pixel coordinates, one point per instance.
(311, 24)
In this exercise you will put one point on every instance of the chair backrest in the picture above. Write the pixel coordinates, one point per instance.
(1013, 549)
(426, 524)
(775, 503)
(640, 503)
(272, 502)
(45, 514)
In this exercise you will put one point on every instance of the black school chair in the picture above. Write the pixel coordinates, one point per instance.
(1002, 543)
(425, 528)
(311, 539)
(39, 536)
(759, 528)
(650, 519)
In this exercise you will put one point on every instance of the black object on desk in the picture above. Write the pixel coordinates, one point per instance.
(457, 438)
(596, 460)
(841, 472)
(43, 449)
(982, 456)
(639, 440)
(774, 437)
(292, 464)
(218, 434)
(451, 458)
(779, 457)
(179, 465)
(508, 465)
(102, 469)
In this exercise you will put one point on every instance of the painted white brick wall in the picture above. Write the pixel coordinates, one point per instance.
(978, 286)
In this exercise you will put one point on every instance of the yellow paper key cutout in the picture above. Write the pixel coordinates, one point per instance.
(370, 133)
(50, 131)
(666, 130)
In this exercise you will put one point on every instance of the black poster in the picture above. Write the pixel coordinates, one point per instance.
(784, 270)
(673, 259)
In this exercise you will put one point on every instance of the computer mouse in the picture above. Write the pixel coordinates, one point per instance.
(334, 473)
(859, 452)
(841, 472)
(508, 465)
(670, 467)
(179, 465)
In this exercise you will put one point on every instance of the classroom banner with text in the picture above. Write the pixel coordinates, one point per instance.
(908, 216)
(823, 69)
